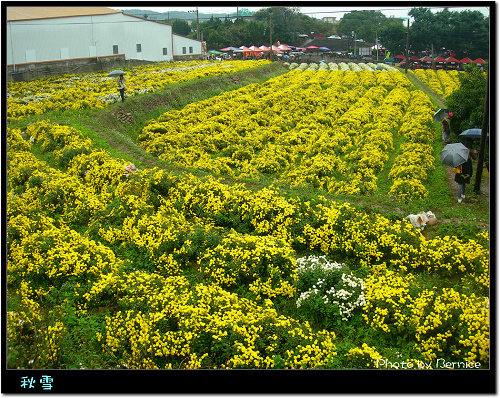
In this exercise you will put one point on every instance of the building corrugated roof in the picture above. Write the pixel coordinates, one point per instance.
(27, 13)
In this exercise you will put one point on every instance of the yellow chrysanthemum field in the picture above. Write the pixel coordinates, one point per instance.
(266, 225)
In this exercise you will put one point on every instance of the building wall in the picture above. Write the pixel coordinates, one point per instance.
(54, 39)
(80, 65)
(185, 48)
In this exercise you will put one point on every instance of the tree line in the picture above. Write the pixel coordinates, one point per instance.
(465, 32)
(283, 24)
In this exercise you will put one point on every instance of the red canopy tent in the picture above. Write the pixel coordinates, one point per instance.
(465, 60)
(439, 63)
(478, 61)
(264, 48)
(284, 47)
(426, 62)
(400, 57)
(251, 52)
(452, 63)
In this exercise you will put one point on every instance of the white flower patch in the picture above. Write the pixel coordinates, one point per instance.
(370, 67)
(343, 67)
(34, 98)
(349, 294)
(110, 98)
(354, 67)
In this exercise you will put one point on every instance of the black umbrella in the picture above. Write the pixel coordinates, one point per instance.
(454, 154)
(440, 115)
(472, 133)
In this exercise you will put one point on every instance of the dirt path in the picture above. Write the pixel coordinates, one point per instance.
(484, 195)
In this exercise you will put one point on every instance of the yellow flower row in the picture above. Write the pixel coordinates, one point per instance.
(410, 169)
(440, 81)
(167, 323)
(309, 127)
(446, 324)
(96, 90)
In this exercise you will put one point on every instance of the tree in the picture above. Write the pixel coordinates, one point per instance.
(422, 29)
(466, 32)
(181, 27)
(483, 153)
(393, 36)
(364, 23)
(467, 103)
(287, 23)
(284, 20)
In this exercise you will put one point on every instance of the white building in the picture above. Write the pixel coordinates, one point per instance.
(46, 34)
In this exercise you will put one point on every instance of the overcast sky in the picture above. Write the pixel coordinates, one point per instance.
(317, 11)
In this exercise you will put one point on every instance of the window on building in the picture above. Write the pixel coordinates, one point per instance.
(115, 49)
(139, 48)
(165, 52)
(190, 50)
(184, 50)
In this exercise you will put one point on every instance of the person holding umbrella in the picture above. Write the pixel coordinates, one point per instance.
(121, 87)
(463, 172)
(121, 81)
(445, 132)
(458, 156)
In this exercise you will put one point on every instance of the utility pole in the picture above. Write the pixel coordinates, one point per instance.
(484, 132)
(271, 38)
(197, 23)
(432, 49)
(353, 34)
(355, 44)
(407, 45)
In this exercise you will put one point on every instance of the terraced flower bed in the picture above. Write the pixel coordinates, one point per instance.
(111, 265)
